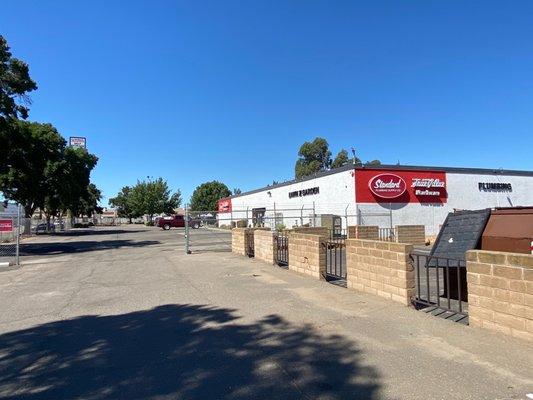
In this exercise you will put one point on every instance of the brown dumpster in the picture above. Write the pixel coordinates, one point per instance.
(509, 229)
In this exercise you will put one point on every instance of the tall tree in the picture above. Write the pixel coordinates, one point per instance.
(237, 191)
(343, 159)
(77, 165)
(313, 157)
(15, 83)
(89, 202)
(373, 162)
(206, 196)
(122, 202)
(32, 155)
(153, 197)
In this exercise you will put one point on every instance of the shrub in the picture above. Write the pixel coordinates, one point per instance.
(280, 227)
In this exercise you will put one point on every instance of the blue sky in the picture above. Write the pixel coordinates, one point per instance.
(200, 90)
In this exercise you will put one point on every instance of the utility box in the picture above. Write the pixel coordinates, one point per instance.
(331, 221)
(510, 230)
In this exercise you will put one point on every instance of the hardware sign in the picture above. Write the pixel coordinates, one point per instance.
(387, 186)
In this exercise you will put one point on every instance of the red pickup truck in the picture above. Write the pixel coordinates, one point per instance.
(176, 221)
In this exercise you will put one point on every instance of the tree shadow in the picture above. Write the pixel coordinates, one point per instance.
(93, 232)
(32, 249)
(181, 351)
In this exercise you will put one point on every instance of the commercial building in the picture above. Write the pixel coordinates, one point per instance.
(386, 195)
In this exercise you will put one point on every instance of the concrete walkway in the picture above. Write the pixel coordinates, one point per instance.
(124, 313)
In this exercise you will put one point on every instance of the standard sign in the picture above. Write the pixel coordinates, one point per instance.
(6, 225)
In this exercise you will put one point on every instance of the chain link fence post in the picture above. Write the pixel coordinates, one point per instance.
(17, 250)
(187, 249)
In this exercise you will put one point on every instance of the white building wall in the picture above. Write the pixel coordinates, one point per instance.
(337, 196)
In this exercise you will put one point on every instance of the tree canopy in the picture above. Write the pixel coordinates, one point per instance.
(122, 202)
(206, 196)
(15, 83)
(146, 198)
(315, 156)
(42, 172)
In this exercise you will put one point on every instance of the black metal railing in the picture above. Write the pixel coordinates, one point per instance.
(249, 240)
(282, 249)
(387, 234)
(335, 259)
(440, 283)
(338, 233)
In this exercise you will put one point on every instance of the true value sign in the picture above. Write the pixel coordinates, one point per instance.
(375, 186)
(6, 225)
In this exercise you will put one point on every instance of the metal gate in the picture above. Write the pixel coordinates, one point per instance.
(282, 249)
(249, 239)
(440, 284)
(205, 231)
(336, 260)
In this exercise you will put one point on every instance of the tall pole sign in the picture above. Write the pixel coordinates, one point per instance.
(78, 142)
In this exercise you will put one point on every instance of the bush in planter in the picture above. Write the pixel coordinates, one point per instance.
(280, 227)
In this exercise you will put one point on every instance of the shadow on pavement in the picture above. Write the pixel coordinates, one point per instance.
(180, 351)
(32, 249)
(91, 232)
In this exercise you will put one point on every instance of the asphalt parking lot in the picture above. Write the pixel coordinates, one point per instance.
(125, 313)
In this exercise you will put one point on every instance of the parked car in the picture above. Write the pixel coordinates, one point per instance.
(177, 221)
(43, 228)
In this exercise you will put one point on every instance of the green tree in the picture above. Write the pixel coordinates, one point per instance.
(15, 83)
(373, 162)
(33, 155)
(341, 159)
(77, 165)
(237, 191)
(206, 196)
(153, 197)
(122, 202)
(89, 202)
(175, 201)
(313, 157)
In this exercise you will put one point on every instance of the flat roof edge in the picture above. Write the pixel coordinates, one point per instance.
(348, 167)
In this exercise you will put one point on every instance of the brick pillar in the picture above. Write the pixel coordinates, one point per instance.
(381, 268)
(264, 245)
(411, 234)
(238, 241)
(500, 292)
(369, 232)
(307, 254)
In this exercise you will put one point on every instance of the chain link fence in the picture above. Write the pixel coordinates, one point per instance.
(10, 230)
(210, 230)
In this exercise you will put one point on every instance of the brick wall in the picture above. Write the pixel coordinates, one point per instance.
(369, 232)
(411, 234)
(500, 292)
(238, 241)
(318, 230)
(264, 245)
(307, 254)
(380, 268)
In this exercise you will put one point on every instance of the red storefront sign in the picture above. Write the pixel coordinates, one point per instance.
(390, 186)
(6, 225)
(224, 205)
